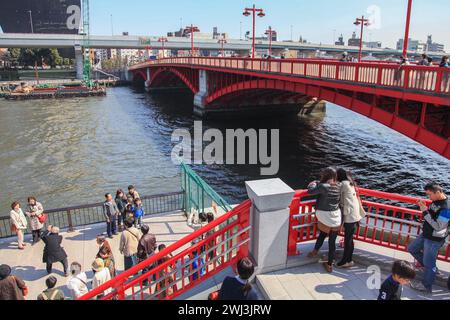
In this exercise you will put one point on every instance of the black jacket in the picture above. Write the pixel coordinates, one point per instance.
(53, 252)
(233, 290)
(121, 204)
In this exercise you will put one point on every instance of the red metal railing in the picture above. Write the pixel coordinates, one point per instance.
(389, 222)
(213, 248)
(413, 77)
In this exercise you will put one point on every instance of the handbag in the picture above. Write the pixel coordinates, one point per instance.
(42, 218)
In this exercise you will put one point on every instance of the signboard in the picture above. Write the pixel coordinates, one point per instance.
(145, 41)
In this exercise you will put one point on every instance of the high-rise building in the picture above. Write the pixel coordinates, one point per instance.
(340, 41)
(354, 41)
(433, 46)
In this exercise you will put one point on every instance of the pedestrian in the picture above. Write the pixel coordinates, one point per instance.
(138, 212)
(239, 288)
(77, 283)
(399, 71)
(444, 62)
(352, 211)
(101, 276)
(53, 251)
(11, 287)
(197, 221)
(132, 192)
(424, 61)
(51, 293)
(328, 214)
(210, 217)
(35, 212)
(430, 61)
(129, 243)
(167, 277)
(111, 212)
(445, 75)
(146, 248)
(344, 57)
(425, 248)
(121, 201)
(18, 223)
(402, 274)
(105, 253)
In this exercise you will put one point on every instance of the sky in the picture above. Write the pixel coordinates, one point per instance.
(318, 21)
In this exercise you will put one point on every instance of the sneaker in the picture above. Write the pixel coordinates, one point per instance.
(418, 286)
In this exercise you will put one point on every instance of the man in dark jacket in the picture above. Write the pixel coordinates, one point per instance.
(146, 248)
(425, 248)
(11, 287)
(111, 212)
(53, 252)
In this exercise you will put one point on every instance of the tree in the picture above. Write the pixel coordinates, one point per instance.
(14, 56)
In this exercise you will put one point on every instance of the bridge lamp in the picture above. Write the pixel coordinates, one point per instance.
(163, 40)
(269, 33)
(363, 23)
(222, 42)
(254, 11)
(192, 29)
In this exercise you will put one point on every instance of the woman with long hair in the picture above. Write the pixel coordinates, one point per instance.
(328, 192)
(352, 213)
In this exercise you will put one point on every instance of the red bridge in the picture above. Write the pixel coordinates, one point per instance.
(412, 100)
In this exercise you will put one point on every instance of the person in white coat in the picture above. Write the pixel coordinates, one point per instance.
(35, 211)
(77, 283)
(352, 212)
(18, 223)
(101, 276)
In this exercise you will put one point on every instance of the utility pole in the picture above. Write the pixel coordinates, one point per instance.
(112, 26)
(292, 33)
(240, 30)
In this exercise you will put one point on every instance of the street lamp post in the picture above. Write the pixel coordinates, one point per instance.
(364, 23)
(222, 42)
(192, 29)
(254, 11)
(163, 40)
(408, 22)
(269, 33)
(31, 21)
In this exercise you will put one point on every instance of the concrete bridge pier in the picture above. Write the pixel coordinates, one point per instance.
(147, 83)
(79, 61)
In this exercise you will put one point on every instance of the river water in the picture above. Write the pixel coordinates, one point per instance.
(73, 151)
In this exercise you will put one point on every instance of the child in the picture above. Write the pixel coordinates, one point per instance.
(166, 285)
(402, 274)
(138, 211)
(51, 293)
(239, 287)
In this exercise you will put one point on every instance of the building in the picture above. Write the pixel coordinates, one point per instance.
(354, 41)
(340, 41)
(417, 45)
(373, 44)
(433, 46)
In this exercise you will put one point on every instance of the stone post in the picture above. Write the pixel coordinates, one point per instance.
(269, 218)
(79, 61)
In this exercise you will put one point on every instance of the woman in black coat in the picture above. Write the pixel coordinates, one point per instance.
(53, 252)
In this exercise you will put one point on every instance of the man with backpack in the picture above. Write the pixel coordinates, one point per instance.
(51, 293)
(425, 249)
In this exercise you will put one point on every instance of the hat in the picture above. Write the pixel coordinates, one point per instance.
(5, 271)
(98, 265)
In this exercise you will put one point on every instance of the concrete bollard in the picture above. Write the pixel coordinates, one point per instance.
(269, 218)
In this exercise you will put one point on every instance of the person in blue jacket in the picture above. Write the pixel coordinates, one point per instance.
(138, 211)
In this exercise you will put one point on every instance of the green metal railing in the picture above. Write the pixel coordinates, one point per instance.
(198, 195)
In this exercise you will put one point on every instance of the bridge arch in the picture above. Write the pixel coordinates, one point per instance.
(384, 110)
(139, 74)
(188, 76)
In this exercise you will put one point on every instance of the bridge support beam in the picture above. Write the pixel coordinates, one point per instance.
(147, 83)
(269, 218)
(79, 62)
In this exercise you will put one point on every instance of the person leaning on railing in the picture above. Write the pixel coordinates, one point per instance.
(328, 213)
(425, 248)
(446, 75)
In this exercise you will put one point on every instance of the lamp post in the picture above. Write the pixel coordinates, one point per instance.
(254, 11)
(192, 29)
(222, 42)
(163, 40)
(364, 23)
(269, 33)
(408, 22)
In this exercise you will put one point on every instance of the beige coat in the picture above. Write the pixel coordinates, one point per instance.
(33, 212)
(350, 203)
(129, 241)
(18, 219)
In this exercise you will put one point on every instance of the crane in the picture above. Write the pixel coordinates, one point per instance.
(87, 67)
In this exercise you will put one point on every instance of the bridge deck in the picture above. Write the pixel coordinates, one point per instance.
(81, 246)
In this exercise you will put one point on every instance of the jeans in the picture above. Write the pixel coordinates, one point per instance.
(331, 244)
(425, 251)
(130, 262)
(63, 262)
(349, 247)
(111, 227)
(121, 218)
(138, 222)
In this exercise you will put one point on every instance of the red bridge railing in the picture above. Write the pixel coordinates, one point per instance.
(413, 77)
(390, 222)
(184, 264)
